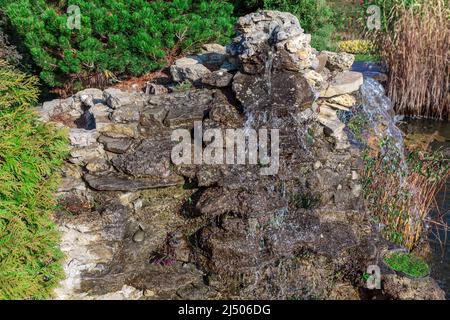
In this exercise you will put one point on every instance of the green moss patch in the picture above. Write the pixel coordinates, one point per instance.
(407, 263)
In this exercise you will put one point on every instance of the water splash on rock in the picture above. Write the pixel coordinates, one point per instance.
(378, 108)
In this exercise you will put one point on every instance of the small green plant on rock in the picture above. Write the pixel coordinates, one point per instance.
(365, 276)
(357, 124)
(408, 263)
(182, 86)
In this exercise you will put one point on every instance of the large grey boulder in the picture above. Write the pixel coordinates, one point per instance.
(188, 69)
(116, 98)
(82, 137)
(95, 94)
(266, 33)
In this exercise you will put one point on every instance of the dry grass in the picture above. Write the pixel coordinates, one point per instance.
(416, 47)
(423, 192)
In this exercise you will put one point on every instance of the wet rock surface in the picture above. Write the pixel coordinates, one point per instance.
(286, 92)
(136, 226)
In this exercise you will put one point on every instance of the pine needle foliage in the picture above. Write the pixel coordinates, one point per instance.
(123, 37)
(30, 155)
(16, 88)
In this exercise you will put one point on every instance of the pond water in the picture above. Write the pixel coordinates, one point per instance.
(440, 240)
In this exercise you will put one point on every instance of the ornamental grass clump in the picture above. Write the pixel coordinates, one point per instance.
(416, 48)
(30, 155)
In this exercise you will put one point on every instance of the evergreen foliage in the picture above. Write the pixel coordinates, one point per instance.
(122, 36)
(30, 154)
(16, 88)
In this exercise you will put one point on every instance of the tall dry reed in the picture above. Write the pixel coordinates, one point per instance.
(416, 48)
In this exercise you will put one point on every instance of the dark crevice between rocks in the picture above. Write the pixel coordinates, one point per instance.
(232, 100)
(199, 253)
(86, 120)
(189, 209)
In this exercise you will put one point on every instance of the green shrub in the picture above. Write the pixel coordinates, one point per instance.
(312, 14)
(124, 37)
(243, 7)
(30, 154)
(324, 39)
(16, 88)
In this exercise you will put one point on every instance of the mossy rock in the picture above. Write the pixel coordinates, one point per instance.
(407, 264)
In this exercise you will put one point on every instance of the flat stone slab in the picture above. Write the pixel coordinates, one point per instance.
(186, 107)
(151, 159)
(124, 183)
(345, 100)
(219, 78)
(116, 98)
(344, 82)
(116, 145)
(339, 61)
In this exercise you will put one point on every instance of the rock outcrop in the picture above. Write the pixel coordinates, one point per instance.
(136, 225)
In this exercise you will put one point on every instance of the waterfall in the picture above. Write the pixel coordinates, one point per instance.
(378, 107)
(268, 70)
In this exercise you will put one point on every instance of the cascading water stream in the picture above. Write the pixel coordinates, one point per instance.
(269, 70)
(262, 118)
(378, 108)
